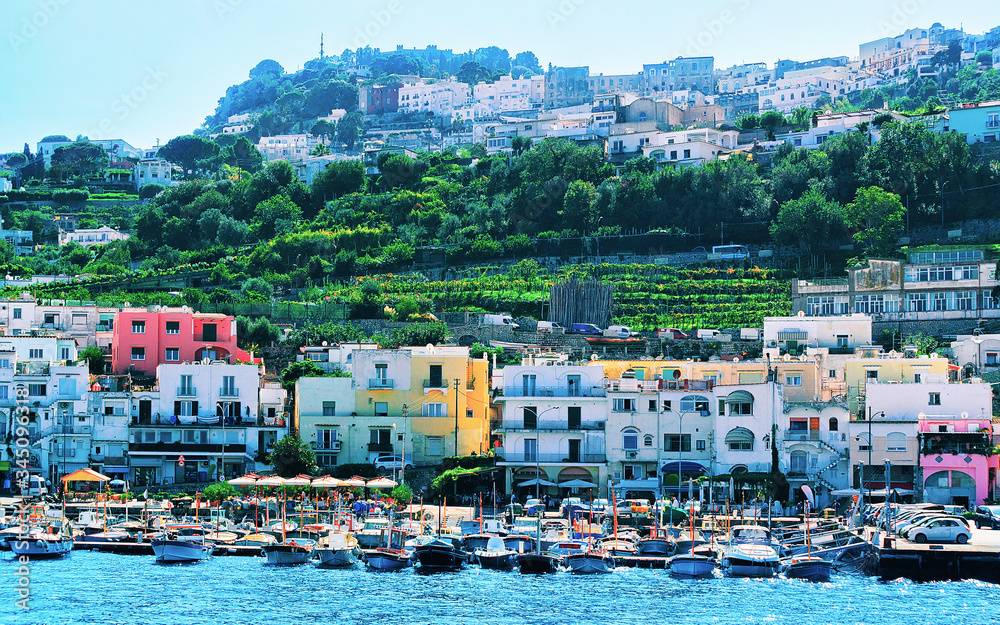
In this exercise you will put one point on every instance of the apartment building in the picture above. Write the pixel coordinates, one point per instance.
(616, 83)
(288, 147)
(567, 86)
(895, 55)
(145, 338)
(439, 98)
(826, 126)
(979, 122)
(509, 94)
(88, 237)
(695, 73)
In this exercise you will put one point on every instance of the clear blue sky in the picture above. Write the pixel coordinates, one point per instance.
(141, 70)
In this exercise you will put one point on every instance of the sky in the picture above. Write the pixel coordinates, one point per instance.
(147, 71)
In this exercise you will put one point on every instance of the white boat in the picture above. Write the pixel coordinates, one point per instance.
(692, 565)
(751, 552)
(338, 549)
(51, 541)
(180, 550)
(291, 552)
(371, 534)
(592, 561)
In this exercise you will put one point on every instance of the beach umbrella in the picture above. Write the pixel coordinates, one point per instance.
(328, 482)
(247, 480)
(271, 480)
(577, 484)
(538, 481)
(355, 482)
(380, 482)
(298, 480)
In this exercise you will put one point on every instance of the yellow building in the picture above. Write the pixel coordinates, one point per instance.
(890, 368)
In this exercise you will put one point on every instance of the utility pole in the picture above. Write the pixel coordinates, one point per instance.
(402, 459)
(457, 381)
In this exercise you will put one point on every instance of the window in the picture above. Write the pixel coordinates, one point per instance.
(700, 445)
(329, 408)
(35, 354)
(530, 449)
(64, 353)
(834, 424)
(647, 440)
(895, 441)
(138, 353)
(740, 403)
(623, 404)
(138, 327)
(676, 442)
(666, 405)
(173, 327)
(530, 417)
(934, 399)
(229, 386)
(381, 372)
(833, 374)
(630, 440)
(652, 405)
(186, 408)
(871, 374)
(528, 385)
(435, 446)
(793, 379)
(171, 354)
(326, 438)
(740, 439)
(4, 392)
(863, 443)
(17, 313)
(992, 358)
(209, 332)
(434, 410)
(381, 409)
(694, 403)
(187, 385)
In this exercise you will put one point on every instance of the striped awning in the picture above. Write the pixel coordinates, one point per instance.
(739, 435)
(739, 397)
(793, 335)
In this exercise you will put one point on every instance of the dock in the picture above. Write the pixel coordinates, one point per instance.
(979, 559)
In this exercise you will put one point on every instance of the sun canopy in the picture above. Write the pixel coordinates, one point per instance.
(380, 482)
(739, 435)
(577, 484)
(247, 480)
(327, 482)
(271, 480)
(687, 466)
(355, 482)
(537, 481)
(298, 480)
(85, 475)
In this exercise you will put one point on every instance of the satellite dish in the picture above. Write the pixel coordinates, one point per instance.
(736, 358)
(786, 357)
(965, 415)
(593, 357)
(324, 343)
(677, 374)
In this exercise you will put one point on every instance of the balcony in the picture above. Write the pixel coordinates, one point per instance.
(229, 392)
(380, 447)
(187, 391)
(804, 435)
(435, 384)
(553, 426)
(553, 458)
(29, 367)
(330, 446)
(553, 391)
(381, 383)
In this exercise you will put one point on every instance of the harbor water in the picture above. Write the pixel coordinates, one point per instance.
(96, 588)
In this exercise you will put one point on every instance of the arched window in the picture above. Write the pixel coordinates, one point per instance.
(694, 403)
(630, 439)
(895, 441)
(642, 116)
(834, 424)
(647, 440)
(740, 403)
(740, 439)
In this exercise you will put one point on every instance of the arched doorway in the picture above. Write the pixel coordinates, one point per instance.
(950, 487)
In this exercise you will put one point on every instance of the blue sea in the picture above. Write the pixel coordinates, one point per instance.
(91, 588)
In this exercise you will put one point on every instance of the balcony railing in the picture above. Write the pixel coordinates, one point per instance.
(229, 392)
(554, 426)
(435, 383)
(550, 458)
(381, 383)
(553, 391)
(380, 447)
(804, 435)
(187, 391)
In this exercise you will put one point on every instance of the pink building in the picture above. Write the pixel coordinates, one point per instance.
(145, 338)
(954, 457)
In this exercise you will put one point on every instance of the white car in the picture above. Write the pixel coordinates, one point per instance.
(941, 531)
(390, 462)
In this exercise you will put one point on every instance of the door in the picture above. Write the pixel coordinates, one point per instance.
(530, 449)
(574, 450)
(145, 411)
(573, 385)
(528, 385)
(530, 418)
(573, 415)
(435, 376)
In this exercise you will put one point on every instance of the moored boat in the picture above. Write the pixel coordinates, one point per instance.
(439, 554)
(291, 552)
(496, 556)
(751, 552)
(338, 549)
(692, 565)
(180, 550)
(811, 568)
(590, 561)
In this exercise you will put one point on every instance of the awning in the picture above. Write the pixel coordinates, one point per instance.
(85, 475)
(537, 482)
(687, 466)
(793, 335)
(739, 435)
(739, 397)
(577, 484)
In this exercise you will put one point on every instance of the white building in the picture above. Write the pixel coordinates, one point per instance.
(826, 126)
(86, 324)
(92, 236)
(553, 422)
(288, 147)
(894, 56)
(509, 94)
(339, 357)
(440, 98)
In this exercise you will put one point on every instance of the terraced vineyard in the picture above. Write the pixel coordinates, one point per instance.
(646, 296)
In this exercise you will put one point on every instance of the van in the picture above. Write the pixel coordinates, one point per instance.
(550, 327)
(587, 328)
(618, 332)
(750, 334)
(731, 252)
(708, 335)
(672, 333)
(500, 320)
(36, 487)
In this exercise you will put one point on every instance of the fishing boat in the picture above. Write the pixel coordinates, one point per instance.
(255, 540)
(338, 549)
(751, 552)
(521, 543)
(50, 541)
(692, 563)
(808, 567)
(438, 554)
(496, 556)
(590, 561)
(370, 535)
(175, 548)
(289, 552)
(658, 543)
(537, 562)
(388, 558)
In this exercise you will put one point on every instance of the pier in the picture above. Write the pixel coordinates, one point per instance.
(895, 557)
(146, 549)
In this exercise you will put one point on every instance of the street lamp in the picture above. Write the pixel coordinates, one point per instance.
(977, 338)
(861, 475)
(888, 480)
(538, 468)
(393, 447)
(945, 184)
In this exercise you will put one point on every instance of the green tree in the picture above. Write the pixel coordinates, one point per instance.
(300, 369)
(748, 121)
(218, 491)
(349, 129)
(292, 457)
(276, 215)
(267, 67)
(189, 151)
(810, 221)
(876, 216)
(95, 359)
(337, 179)
(771, 121)
(323, 128)
(80, 158)
(472, 73)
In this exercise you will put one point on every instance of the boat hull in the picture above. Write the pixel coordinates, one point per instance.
(170, 551)
(655, 547)
(41, 548)
(584, 563)
(287, 555)
(386, 561)
(692, 566)
(537, 563)
(811, 569)
(497, 561)
(337, 557)
(439, 557)
(738, 566)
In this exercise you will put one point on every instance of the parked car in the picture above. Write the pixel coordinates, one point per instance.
(500, 320)
(587, 328)
(550, 327)
(987, 516)
(534, 506)
(672, 333)
(391, 462)
(944, 530)
(37, 487)
(911, 529)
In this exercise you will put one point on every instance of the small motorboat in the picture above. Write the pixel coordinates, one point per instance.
(438, 554)
(811, 568)
(496, 556)
(291, 552)
(44, 542)
(178, 550)
(660, 546)
(256, 540)
(590, 561)
(692, 565)
(751, 552)
(533, 563)
(618, 547)
(521, 543)
(384, 559)
(338, 549)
